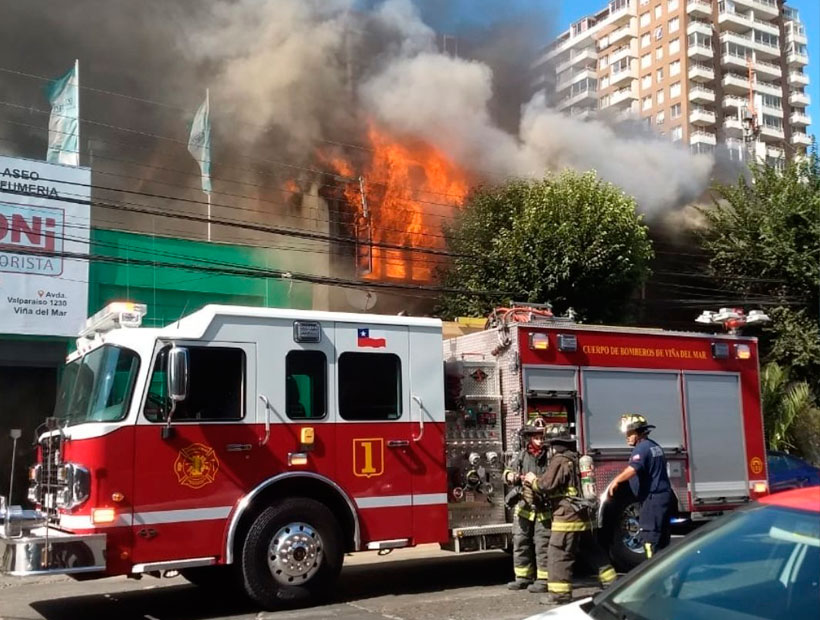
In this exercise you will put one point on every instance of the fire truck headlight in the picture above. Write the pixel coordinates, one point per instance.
(77, 486)
(34, 473)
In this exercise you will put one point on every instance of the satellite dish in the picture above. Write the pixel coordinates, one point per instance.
(360, 299)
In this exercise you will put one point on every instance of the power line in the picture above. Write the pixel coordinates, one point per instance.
(227, 222)
(183, 143)
(266, 273)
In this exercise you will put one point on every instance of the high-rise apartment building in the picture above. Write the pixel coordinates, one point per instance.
(729, 72)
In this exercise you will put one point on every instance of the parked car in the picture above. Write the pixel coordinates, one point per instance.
(789, 472)
(762, 561)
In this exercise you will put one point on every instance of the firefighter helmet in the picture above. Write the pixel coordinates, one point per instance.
(558, 433)
(535, 427)
(634, 422)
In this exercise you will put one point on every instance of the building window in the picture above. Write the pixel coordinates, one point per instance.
(674, 68)
(216, 386)
(369, 386)
(646, 61)
(659, 97)
(645, 17)
(671, 5)
(646, 39)
(674, 46)
(675, 111)
(658, 11)
(646, 81)
(659, 75)
(305, 385)
(658, 33)
(644, 2)
(674, 24)
(674, 90)
(603, 61)
(764, 38)
(676, 134)
(622, 65)
(770, 101)
(659, 118)
(646, 103)
(699, 39)
(659, 53)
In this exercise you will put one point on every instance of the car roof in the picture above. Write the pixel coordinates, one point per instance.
(807, 498)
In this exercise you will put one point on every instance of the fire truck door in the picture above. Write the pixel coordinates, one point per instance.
(716, 441)
(376, 459)
(185, 485)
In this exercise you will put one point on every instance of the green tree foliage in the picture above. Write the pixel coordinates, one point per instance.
(763, 238)
(570, 240)
(791, 416)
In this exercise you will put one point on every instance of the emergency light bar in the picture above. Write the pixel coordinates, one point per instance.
(117, 314)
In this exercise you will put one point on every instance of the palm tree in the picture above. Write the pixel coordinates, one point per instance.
(790, 413)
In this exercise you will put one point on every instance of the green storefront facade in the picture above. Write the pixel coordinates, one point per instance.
(170, 292)
(171, 277)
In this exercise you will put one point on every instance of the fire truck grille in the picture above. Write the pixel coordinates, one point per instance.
(50, 485)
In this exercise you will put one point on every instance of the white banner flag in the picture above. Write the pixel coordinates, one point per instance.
(199, 144)
(64, 122)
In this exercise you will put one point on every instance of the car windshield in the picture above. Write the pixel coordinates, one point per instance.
(97, 387)
(758, 563)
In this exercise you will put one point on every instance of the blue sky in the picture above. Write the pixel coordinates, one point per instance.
(809, 14)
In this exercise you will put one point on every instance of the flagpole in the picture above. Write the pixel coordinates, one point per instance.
(208, 107)
(77, 92)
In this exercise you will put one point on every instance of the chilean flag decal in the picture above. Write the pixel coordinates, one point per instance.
(364, 340)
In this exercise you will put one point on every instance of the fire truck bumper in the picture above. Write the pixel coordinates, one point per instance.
(29, 546)
(48, 551)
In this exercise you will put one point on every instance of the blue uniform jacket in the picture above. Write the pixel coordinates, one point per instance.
(648, 461)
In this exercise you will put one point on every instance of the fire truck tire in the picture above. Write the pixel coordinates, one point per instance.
(292, 552)
(625, 550)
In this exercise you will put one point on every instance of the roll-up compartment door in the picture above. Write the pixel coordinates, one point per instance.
(716, 445)
(541, 380)
(608, 394)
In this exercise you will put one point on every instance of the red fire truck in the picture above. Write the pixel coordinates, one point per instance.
(264, 444)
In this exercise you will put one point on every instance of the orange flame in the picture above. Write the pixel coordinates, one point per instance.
(410, 190)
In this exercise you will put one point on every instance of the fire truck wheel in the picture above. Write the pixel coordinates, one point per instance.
(292, 552)
(625, 549)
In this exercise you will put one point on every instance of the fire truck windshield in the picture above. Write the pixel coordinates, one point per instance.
(97, 387)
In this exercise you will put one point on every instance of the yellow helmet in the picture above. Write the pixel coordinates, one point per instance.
(630, 422)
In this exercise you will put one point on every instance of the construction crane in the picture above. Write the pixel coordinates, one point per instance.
(751, 127)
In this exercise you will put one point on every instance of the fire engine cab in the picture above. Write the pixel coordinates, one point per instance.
(264, 444)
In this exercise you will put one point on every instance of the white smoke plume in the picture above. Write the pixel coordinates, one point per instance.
(317, 69)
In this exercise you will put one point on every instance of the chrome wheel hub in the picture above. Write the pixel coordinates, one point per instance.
(630, 528)
(295, 554)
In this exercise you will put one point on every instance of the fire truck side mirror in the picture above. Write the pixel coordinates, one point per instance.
(178, 374)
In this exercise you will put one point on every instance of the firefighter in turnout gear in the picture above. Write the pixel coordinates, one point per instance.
(571, 518)
(531, 519)
(649, 481)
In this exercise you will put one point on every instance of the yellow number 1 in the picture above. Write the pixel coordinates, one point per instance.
(368, 458)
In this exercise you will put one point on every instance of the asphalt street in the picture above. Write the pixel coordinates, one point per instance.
(409, 584)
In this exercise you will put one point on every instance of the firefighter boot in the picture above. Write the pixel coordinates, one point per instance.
(519, 584)
(539, 586)
(554, 598)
